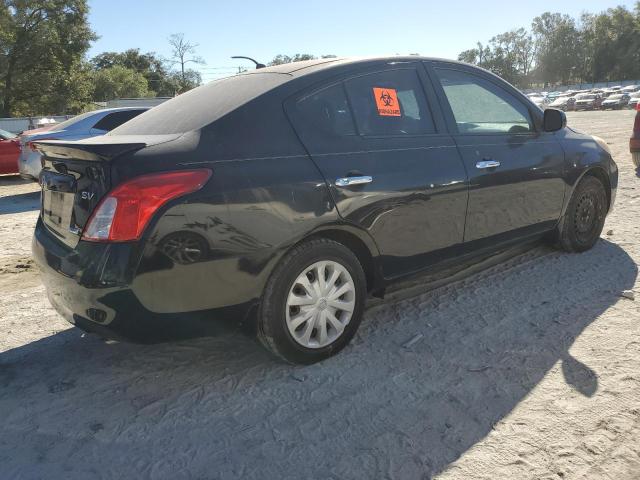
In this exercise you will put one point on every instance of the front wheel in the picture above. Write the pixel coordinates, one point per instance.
(313, 303)
(582, 224)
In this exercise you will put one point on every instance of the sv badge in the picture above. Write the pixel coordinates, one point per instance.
(87, 195)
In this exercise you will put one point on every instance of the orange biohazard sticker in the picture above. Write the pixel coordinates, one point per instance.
(387, 102)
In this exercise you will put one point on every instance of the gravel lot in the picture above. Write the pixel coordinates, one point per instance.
(528, 369)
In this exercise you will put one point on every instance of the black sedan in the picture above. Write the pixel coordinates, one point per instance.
(280, 198)
(588, 101)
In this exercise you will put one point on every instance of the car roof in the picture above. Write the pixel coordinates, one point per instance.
(119, 109)
(306, 67)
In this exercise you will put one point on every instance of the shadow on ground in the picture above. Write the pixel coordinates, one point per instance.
(76, 407)
(12, 180)
(18, 203)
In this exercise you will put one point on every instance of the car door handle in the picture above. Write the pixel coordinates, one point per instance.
(350, 181)
(487, 164)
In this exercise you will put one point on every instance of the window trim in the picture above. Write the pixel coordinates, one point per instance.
(432, 68)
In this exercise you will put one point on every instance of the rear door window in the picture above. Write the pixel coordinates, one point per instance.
(115, 119)
(481, 107)
(327, 112)
(390, 103)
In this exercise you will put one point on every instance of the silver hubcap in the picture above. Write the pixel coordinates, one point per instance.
(320, 304)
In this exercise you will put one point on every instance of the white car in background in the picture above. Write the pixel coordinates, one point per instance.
(90, 124)
(540, 100)
(630, 89)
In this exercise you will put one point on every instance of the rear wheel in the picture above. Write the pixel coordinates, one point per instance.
(313, 303)
(580, 228)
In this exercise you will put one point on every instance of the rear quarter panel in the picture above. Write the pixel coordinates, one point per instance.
(248, 215)
(264, 196)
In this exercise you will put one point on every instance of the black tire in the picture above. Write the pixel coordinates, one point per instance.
(272, 329)
(582, 224)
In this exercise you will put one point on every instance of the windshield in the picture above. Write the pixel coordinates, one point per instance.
(586, 97)
(615, 97)
(6, 135)
(201, 106)
(72, 121)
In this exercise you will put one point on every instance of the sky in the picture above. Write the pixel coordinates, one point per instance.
(340, 27)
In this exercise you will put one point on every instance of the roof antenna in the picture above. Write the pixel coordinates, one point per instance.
(258, 64)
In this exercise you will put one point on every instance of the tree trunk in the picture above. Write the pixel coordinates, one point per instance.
(7, 103)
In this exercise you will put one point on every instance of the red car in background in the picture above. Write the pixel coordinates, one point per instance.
(9, 152)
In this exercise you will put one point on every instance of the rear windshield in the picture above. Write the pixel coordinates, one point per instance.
(72, 121)
(586, 97)
(201, 106)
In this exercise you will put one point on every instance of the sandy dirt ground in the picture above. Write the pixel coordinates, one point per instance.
(528, 369)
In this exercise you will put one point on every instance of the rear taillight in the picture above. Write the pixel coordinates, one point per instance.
(636, 124)
(124, 213)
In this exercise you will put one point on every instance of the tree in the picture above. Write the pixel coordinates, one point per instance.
(560, 49)
(119, 82)
(183, 53)
(42, 44)
(611, 45)
(159, 78)
(281, 59)
(558, 40)
(509, 55)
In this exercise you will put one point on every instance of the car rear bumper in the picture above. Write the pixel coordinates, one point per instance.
(89, 288)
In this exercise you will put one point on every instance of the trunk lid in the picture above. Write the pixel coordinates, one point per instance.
(75, 176)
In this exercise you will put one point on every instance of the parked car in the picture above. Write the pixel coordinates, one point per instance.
(634, 141)
(9, 152)
(633, 100)
(631, 89)
(539, 100)
(554, 95)
(615, 102)
(588, 101)
(310, 185)
(564, 103)
(90, 124)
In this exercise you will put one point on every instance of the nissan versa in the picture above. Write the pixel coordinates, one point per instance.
(282, 197)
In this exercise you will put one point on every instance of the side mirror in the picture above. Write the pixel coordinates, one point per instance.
(554, 120)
